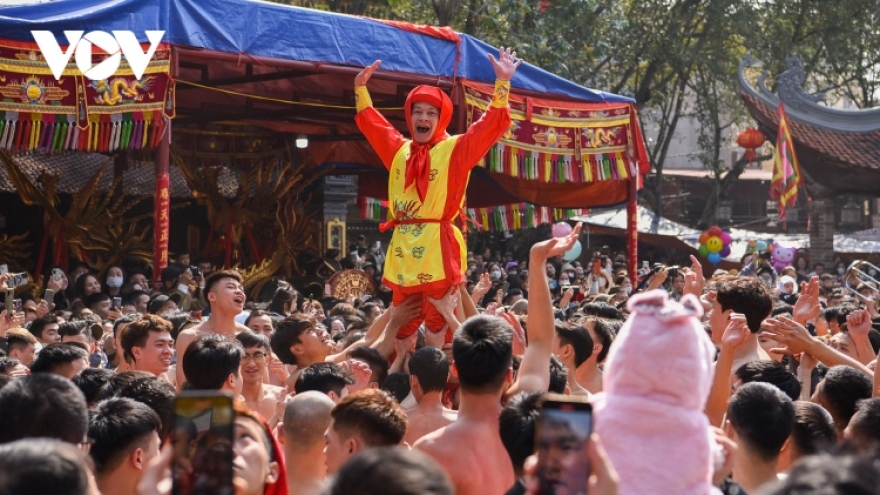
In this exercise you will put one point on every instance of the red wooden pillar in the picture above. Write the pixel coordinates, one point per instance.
(632, 227)
(162, 214)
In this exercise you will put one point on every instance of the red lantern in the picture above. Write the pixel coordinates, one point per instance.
(751, 139)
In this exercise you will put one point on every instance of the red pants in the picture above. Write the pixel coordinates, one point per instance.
(434, 321)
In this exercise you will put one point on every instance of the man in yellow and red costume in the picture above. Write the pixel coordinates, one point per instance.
(426, 188)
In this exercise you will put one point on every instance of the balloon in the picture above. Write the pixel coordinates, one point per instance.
(725, 238)
(725, 252)
(761, 246)
(573, 253)
(714, 258)
(715, 230)
(704, 237)
(714, 244)
(561, 229)
(704, 251)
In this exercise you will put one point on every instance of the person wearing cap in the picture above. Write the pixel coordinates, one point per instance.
(428, 178)
(161, 304)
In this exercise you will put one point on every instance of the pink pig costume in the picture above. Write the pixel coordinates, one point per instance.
(650, 416)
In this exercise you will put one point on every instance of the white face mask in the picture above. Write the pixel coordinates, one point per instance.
(495, 275)
(628, 290)
(114, 281)
(841, 271)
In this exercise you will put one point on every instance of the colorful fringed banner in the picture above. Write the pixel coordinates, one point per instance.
(519, 216)
(374, 209)
(38, 113)
(560, 142)
(493, 219)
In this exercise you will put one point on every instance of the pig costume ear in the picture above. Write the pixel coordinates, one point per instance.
(656, 302)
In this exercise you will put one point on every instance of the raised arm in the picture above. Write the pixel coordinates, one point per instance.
(795, 339)
(734, 335)
(383, 137)
(534, 372)
(486, 131)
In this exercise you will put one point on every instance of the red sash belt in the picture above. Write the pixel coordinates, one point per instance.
(410, 221)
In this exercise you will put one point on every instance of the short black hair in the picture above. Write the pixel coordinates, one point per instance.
(42, 322)
(118, 381)
(138, 333)
(830, 475)
(286, 334)
(90, 381)
(813, 431)
(606, 331)
(215, 277)
(249, 339)
(745, 295)
(43, 405)
(558, 376)
(575, 335)
(377, 362)
(324, 378)
(209, 360)
(431, 366)
(74, 328)
(482, 350)
(156, 393)
(772, 372)
(517, 426)
(118, 426)
(398, 385)
(865, 426)
(841, 389)
(57, 355)
(838, 313)
(36, 466)
(762, 417)
(133, 296)
(602, 310)
(373, 415)
(95, 299)
(390, 471)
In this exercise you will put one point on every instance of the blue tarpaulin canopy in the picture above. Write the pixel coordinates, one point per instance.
(283, 32)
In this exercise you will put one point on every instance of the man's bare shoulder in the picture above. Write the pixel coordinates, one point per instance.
(433, 442)
(241, 328)
(272, 390)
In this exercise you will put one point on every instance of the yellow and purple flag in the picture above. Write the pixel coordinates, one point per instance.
(786, 171)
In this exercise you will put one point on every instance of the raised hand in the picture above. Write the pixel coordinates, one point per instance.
(694, 281)
(736, 332)
(482, 286)
(557, 245)
(408, 310)
(506, 64)
(446, 305)
(807, 306)
(793, 337)
(858, 323)
(364, 75)
(361, 373)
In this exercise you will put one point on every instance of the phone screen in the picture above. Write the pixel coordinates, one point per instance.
(563, 434)
(9, 305)
(204, 424)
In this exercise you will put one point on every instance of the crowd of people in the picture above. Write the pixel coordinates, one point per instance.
(738, 383)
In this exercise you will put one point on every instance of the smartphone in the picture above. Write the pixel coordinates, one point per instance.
(56, 273)
(16, 304)
(10, 303)
(204, 424)
(17, 279)
(117, 302)
(49, 297)
(597, 266)
(562, 436)
(4, 269)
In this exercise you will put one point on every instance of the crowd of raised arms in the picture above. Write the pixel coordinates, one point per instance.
(329, 400)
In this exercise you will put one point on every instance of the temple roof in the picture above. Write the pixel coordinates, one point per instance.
(838, 150)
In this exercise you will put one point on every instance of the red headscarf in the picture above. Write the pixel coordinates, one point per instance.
(418, 166)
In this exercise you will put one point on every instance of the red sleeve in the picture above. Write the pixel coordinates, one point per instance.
(383, 137)
(479, 138)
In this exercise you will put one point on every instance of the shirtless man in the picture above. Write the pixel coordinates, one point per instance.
(573, 345)
(588, 373)
(226, 297)
(260, 397)
(429, 370)
(306, 418)
(739, 306)
(470, 449)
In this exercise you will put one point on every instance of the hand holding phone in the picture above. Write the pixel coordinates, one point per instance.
(562, 440)
(204, 424)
